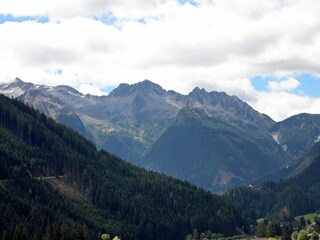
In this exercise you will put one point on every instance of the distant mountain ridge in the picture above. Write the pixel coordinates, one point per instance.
(229, 108)
(297, 133)
(133, 119)
(297, 136)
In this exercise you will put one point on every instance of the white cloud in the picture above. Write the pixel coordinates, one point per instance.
(280, 105)
(218, 45)
(285, 85)
(89, 89)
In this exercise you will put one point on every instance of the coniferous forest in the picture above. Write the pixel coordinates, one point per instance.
(282, 201)
(54, 184)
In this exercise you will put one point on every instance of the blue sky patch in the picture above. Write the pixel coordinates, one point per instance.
(309, 84)
(108, 19)
(194, 3)
(10, 18)
(142, 20)
(260, 83)
(107, 89)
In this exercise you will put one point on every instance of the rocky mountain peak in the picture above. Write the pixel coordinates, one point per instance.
(198, 92)
(212, 97)
(16, 88)
(19, 83)
(228, 108)
(198, 97)
(140, 87)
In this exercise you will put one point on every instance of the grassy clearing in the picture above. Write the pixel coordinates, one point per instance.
(65, 190)
(260, 220)
(309, 216)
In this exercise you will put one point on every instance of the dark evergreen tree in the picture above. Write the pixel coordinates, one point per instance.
(286, 232)
(302, 222)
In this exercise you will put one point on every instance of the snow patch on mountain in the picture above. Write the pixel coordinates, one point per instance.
(75, 94)
(275, 137)
(12, 92)
(285, 147)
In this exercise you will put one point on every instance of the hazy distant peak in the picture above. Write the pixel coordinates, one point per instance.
(18, 80)
(22, 84)
(68, 89)
(201, 92)
(198, 94)
(16, 88)
(197, 90)
(147, 83)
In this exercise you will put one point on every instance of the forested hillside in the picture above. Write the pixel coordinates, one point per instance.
(297, 195)
(105, 194)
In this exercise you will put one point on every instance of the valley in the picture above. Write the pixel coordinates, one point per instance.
(159, 120)
(212, 140)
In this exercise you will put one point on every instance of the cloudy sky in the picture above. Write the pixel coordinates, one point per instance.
(265, 52)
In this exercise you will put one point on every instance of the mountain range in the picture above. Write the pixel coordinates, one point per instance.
(55, 184)
(211, 139)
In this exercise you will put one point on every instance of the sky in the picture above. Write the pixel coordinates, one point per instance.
(265, 52)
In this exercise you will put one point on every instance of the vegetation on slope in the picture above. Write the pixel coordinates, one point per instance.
(297, 195)
(120, 199)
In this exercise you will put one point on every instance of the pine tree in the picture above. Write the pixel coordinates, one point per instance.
(286, 233)
(302, 222)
